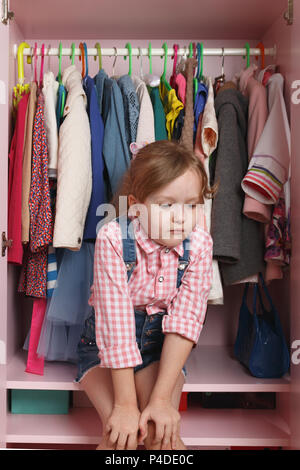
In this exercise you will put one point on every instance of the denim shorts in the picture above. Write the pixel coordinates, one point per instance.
(149, 338)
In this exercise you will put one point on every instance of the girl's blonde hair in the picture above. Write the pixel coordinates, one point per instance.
(156, 165)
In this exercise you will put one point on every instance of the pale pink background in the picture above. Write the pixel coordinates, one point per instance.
(264, 21)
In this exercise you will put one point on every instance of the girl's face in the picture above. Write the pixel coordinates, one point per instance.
(170, 214)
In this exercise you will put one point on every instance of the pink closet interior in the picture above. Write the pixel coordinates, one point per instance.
(216, 24)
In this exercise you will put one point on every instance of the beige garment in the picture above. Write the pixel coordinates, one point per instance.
(26, 173)
(187, 135)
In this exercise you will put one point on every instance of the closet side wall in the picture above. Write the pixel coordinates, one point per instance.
(4, 97)
(295, 203)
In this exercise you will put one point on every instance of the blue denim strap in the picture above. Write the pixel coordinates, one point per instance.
(128, 240)
(183, 261)
(129, 251)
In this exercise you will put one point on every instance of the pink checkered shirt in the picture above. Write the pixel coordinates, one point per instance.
(114, 298)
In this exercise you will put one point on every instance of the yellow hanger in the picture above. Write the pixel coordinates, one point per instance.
(20, 62)
(20, 88)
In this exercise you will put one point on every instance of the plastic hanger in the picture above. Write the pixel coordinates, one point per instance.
(151, 79)
(99, 53)
(220, 80)
(86, 60)
(163, 77)
(174, 57)
(262, 55)
(81, 57)
(72, 56)
(35, 62)
(150, 58)
(128, 46)
(247, 47)
(116, 56)
(21, 62)
(59, 63)
(42, 65)
(21, 87)
(141, 63)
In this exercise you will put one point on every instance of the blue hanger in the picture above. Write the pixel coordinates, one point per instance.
(86, 60)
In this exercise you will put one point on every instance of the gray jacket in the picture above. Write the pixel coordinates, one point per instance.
(238, 241)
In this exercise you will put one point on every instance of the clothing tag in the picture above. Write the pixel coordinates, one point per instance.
(2, 92)
(2, 353)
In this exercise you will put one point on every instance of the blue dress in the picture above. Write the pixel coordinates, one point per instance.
(68, 307)
(99, 189)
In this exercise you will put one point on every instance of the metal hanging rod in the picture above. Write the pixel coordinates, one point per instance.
(136, 51)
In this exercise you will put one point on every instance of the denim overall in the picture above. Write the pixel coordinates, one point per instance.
(149, 335)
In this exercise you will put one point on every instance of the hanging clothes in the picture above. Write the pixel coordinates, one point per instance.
(145, 128)
(115, 149)
(74, 171)
(68, 307)
(33, 279)
(269, 166)
(159, 115)
(215, 296)
(209, 127)
(187, 135)
(14, 225)
(50, 91)
(199, 104)
(27, 155)
(98, 195)
(131, 107)
(238, 241)
(257, 117)
(171, 105)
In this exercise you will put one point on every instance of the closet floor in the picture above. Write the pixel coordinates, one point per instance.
(209, 369)
(199, 427)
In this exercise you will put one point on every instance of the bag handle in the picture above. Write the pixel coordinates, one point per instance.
(266, 290)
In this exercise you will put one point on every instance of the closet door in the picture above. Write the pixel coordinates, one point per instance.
(295, 226)
(4, 53)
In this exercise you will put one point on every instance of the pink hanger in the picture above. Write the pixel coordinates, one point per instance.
(175, 58)
(42, 65)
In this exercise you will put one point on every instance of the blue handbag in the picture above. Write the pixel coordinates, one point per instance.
(260, 343)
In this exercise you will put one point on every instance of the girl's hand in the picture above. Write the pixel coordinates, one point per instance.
(122, 427)
(166, 419)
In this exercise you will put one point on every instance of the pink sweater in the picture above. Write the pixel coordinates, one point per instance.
(257, 117)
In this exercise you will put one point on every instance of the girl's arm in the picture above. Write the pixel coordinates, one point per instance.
(122, 427)
(175, 351)
(182, 327)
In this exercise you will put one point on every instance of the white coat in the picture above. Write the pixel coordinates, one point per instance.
(74, 167)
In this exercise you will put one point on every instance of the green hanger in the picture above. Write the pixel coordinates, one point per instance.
(59, 59)
(150, 58)
(191, 50)
(128, 46)
(98, 47)
(163, 77)
(247, 47)
(73, 53)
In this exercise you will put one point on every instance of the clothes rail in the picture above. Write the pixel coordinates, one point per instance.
(142, 51)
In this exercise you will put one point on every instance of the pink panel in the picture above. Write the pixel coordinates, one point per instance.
(117, 19)
(3, 218)
(295, 201)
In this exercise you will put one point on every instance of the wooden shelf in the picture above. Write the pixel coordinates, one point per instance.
(209, 369)
(199, 427)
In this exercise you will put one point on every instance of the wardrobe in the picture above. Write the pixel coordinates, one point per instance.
(211, 366)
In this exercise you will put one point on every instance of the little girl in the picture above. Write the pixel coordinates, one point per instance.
(152, 276)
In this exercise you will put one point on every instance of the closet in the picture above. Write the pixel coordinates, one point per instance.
(211, 366)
